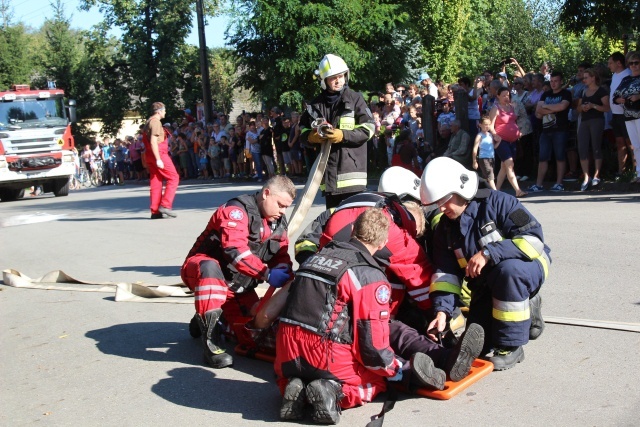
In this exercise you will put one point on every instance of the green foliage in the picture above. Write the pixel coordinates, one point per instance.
(16, 66)
(609, 18)
(222, 74)
(280, 42)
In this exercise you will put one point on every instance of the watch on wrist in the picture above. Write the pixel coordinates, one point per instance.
(486, 254)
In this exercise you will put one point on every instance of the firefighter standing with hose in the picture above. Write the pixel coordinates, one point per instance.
(350, 127)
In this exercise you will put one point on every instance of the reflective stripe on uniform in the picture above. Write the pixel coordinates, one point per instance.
(210, 288)
(511, 311)
(210, 296)
(420, 294)
(436, 220)
(314, 277)
(445, 283)
(239, 257)
(354, 279)
(397, 286)
(369, 127)
(533, 248)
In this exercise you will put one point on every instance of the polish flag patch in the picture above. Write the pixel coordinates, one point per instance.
(383, 294)
(236, 214)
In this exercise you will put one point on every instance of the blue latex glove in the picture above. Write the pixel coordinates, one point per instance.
(278, 277)
(398, 376)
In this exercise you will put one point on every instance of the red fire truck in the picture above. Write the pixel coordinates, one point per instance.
(35, 141)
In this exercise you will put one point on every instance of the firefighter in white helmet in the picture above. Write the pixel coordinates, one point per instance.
(350, 127)
(490, 239)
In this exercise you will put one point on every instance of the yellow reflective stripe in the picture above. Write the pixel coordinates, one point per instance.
(465, 294)
(370, 127)
(351, 182)
(436, 220)
(304, 130)
(324, 69)
(511, 311)
(323, 187)
(306, 245)
(529, 245)
(545, 265)
(451, 288)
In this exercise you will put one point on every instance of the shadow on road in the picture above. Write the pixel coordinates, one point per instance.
(156, 270)
(201, 388)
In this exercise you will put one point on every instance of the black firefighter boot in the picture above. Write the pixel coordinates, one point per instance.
(293, 400)
(537, 322)
(325, 396)
(214, 355)
(424, 374)
(469, 347)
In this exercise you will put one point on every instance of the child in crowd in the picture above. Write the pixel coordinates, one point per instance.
(484, 151)
(447, 116)
(389, 140)
(202, 164)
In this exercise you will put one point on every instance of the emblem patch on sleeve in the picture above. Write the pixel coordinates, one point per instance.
(236, 214)
(383, 294)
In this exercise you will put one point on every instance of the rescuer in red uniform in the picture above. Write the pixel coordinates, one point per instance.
(333, 339)
(244, 243)
(159, 164)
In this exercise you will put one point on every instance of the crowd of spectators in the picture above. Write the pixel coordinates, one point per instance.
(517, 123)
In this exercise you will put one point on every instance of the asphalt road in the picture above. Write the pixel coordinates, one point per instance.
(78, 358)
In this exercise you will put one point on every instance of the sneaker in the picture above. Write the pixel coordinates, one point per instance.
(506, 357)
(557, 188)
(523, 178)
(468, 349)
(166, 211)
(324, 396)
(535, 189)
(157, 215)
(254, 176)
(570, 177)
(584, 186)
(595, 182)
(537, 322)
(293, 400)
(425, 374)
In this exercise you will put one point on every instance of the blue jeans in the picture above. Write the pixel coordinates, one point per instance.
(257, 161)
(555, 142)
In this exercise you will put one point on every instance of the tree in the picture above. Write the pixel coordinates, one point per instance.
(63, 49)
(280, 43)
(153, 40)
(609, 18)
(223, 78)
(15, 63)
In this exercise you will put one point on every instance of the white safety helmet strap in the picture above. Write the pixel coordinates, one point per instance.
(400, 181)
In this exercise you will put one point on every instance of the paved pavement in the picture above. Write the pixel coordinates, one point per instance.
(77, 358)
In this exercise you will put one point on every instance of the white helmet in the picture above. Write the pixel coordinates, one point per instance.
(444, 176)
(400, 181)
(331, 65)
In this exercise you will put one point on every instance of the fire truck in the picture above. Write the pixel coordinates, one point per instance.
(35, 141)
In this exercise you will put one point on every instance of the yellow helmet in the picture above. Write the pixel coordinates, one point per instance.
(331, 65)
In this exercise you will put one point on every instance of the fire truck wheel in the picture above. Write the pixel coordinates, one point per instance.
(61, 187)
(11, 194)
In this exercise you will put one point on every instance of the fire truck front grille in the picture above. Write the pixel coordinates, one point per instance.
(33, 145)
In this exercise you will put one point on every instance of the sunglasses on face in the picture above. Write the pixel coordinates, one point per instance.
(634, 62)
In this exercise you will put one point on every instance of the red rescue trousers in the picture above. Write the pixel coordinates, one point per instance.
(305, 355)
(156, 176)
(202, 274)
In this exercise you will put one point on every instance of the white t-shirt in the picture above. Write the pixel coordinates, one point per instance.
(615, 82)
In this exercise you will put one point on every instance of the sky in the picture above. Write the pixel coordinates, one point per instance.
(34, 12)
